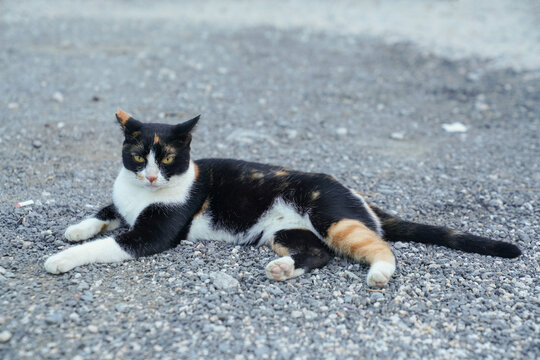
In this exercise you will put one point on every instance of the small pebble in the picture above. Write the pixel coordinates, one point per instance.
(5, 336)
(54, 318)
(83, 285)
(58, 97)
(352, 275)
(223, 281)
(455, 127)
(481, 106)
(121, 307)
(292, 134)
(310, 315)
(93, 329)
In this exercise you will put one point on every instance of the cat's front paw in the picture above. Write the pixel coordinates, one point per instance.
(379, 273)
(59, 263)
(84, 230)
(282, 269)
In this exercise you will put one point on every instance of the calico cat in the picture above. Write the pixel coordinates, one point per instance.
(166, 197)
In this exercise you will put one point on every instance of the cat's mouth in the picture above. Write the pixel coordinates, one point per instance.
(153, 185)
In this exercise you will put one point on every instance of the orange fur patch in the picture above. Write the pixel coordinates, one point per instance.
(315, 195)
(257, 175)
(280, 249)
(196, 170)
(353, 238)
(156, 138)
(123, 116)
(203, 207)
(281, 173)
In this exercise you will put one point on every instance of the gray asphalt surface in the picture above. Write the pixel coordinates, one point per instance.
(275, 96)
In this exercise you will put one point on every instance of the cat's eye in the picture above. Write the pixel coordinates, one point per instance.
(138, 158)
(167, 160)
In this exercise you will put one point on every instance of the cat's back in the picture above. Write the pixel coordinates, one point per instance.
(256, 186)
(224, 169)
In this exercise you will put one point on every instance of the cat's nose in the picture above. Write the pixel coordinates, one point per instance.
(151, 178)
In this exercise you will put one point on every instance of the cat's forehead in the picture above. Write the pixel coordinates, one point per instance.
(157, 128)
(156, 134)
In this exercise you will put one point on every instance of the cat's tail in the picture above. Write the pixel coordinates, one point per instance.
(396, 229)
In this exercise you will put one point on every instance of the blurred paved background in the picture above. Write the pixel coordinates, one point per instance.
(358, 90)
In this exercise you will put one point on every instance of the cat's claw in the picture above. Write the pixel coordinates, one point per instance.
(59, 263)
(379, 273)
(282, 269)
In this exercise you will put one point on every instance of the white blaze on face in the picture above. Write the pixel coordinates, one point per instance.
(150, 171)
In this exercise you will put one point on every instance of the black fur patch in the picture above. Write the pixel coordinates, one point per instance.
(396, 229)
(307, 250)
(108, 213)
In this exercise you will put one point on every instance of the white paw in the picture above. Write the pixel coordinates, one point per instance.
(379, 273)
(282, 269)
(59, 263)
(84, 230)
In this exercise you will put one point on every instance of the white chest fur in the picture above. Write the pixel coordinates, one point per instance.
(130, 197)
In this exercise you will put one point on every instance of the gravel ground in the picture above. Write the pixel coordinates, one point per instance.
(366, 111)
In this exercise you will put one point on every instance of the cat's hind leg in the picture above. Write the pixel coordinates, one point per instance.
(106, 219)
(300, 250)
(352, 238)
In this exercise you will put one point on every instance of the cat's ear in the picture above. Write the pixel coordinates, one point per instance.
(186, 127)
(182, 132)
(128, 123)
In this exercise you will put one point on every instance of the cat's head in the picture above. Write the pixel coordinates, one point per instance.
(155, 153)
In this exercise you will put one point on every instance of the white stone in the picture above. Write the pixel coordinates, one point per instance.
(310, 315)
(93, 329)
(455, 127)
(223, 281)
(57, 96)
(5, 336)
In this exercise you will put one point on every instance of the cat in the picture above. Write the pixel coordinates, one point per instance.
(306, 218)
